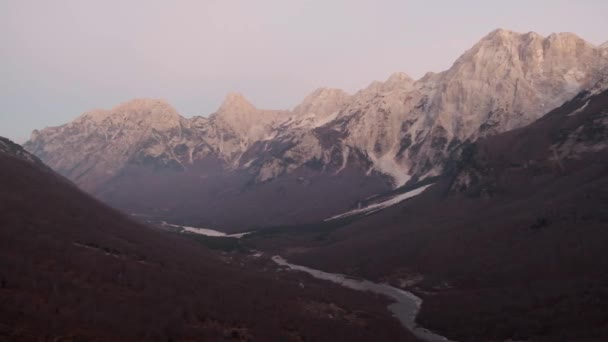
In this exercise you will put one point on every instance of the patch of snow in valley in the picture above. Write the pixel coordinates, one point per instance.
(580, 109)
(248, 164)
(382, 205)
(208, 232)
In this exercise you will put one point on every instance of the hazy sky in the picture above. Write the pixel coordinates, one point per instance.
(60, 58)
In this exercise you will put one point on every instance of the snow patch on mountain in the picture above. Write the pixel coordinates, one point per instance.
(206, 231)
(372, 208)
(579, 110)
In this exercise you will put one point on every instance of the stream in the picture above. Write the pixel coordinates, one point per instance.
(405, 308)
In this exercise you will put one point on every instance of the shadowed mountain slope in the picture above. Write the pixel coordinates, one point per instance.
(73, 269)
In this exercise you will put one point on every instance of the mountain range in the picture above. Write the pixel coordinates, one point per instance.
(329, 152)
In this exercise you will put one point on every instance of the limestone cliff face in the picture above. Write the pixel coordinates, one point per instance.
(94, 147)
(505, 81)
(399, 128)
(405, 128)
(237, 124)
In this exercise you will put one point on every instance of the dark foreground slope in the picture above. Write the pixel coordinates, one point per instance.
(73, 269)
(511, 244)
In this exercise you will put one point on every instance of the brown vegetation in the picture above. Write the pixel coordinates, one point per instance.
(73, 269)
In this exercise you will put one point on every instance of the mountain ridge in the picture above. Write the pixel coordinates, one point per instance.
(396, 131)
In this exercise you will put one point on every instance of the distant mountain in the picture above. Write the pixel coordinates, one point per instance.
(74, 269)
(512, 237)
(276, 167)
(605, 45)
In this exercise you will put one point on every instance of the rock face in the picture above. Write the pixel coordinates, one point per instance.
(404, 128)
(94, 148)
(237, 125)
(505, 81)
(389, 133)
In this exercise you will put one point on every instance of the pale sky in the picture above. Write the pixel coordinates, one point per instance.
(60, 58)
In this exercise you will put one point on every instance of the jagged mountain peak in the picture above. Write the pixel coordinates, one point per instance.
(563, 36)
(235, 102)
(505, 34)
(150, 112)
(153, 113)
(399, 77)
(236, 110)
(145, 106)
(322, 102)
(327, 92)
(505, 37)
(501, 32)
(397, 81)
(502, 35)
(560, 62)
(95, 115)
(238, 123)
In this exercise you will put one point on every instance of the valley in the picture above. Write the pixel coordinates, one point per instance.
(469, 204)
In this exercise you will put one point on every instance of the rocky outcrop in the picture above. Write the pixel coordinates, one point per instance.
(505, 81)
(97, 145)
(237, 124)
